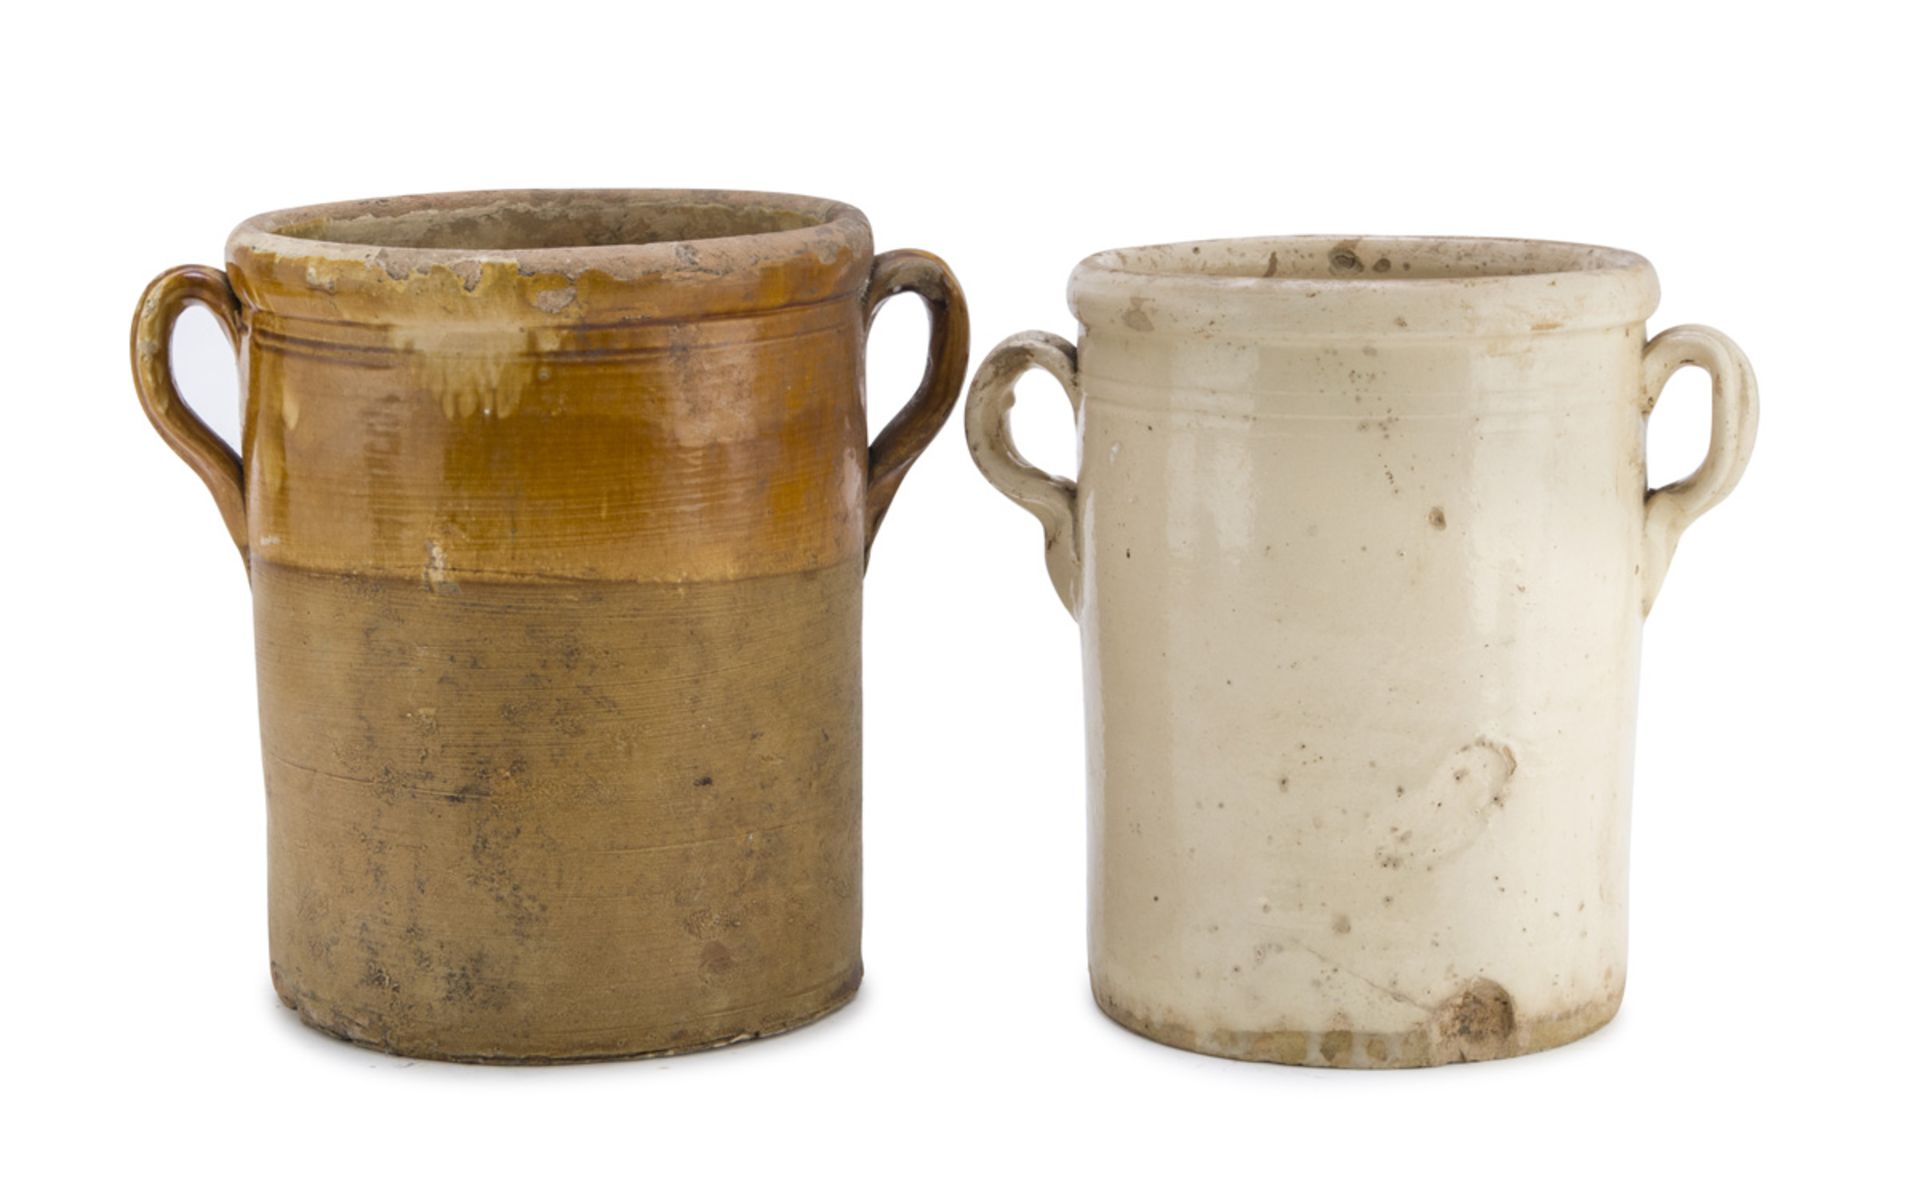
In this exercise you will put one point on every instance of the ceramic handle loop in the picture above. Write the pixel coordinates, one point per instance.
(211, 459)
(1048, 497)
(1736, 417)
(913, 428)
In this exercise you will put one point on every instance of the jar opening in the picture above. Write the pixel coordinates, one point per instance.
(1332, 259)
(561, 221)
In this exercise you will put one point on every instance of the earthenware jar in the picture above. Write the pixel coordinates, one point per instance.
(1360, 547)
(555, 507)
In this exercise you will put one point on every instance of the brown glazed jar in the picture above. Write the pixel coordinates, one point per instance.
(555, 506)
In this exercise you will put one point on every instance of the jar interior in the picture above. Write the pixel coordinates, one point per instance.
(558, 224)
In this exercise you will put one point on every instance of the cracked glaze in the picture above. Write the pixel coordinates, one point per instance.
(1360, 546)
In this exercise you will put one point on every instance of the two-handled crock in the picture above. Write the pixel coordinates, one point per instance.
(556, 506)
(1360, 546)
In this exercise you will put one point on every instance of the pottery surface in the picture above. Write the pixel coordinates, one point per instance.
(1360, 547)
(555, 507)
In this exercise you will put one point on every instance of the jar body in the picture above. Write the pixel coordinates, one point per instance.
(558, 623)
(1361, 623)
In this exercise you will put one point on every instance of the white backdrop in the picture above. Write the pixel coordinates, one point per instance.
(1763, 165)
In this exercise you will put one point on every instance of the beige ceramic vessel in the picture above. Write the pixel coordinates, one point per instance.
(1360, 547)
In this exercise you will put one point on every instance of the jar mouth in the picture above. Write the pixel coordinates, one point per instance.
(1364, 285)
(1332, 259)
(622, 232)
(547, 220)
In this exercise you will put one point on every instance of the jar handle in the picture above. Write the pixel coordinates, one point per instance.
(211, 459)
(913, 428)
(1736, 416)
(1051, 498)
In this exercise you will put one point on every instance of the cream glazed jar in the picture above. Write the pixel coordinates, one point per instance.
(1360, 548)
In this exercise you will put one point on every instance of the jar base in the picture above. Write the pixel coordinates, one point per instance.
(1478, 1024)
(790, 1015)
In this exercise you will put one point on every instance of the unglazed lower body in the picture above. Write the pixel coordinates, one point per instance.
(561, 821)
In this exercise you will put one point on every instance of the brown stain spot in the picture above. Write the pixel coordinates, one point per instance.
(1477, 1023)
(1273, 265)
(1437, 518)
(1416, 1049)
(1382, 265)
(715, 958)
(1336, 1046)
(1376, 1048)
(1342, 924)
(1342, 261)
(1278, 1047)
(703, 783)
(1543, 326)
(1136, 317)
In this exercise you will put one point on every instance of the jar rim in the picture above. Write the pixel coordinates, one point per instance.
(1367, 286)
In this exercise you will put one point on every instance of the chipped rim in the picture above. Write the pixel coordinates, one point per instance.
(1365, 287)
(263, 233)
(811, 249)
